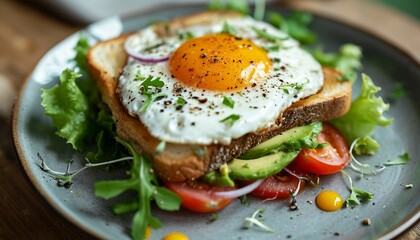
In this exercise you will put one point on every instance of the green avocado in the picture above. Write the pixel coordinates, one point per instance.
(291, 140)
(259, 168)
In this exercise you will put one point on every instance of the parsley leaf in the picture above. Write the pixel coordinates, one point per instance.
(180, 102)
(151, 82)
(145, 183)
(402, 159)
(231, 119)
(227, 101)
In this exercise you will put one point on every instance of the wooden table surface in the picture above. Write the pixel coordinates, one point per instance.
(26, 33)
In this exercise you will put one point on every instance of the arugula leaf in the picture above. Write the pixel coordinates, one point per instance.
(296, 25)
(402, 159)
(68, 108)
(145, 182)
(227, 101)
(229, 29)
(231, 119)
(365, 114)
(347, 60)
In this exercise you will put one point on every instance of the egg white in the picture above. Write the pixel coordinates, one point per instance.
(199, 120)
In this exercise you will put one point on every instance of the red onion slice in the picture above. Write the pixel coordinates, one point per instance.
(142, 56)
(241, 191)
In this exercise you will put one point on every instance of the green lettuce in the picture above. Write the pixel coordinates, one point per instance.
(347, 60)
(365, 114)
(296, 25)
(68, 108)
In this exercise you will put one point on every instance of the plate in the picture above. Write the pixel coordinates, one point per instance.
(393, 209)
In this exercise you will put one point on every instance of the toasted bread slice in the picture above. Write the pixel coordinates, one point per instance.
(180, 162)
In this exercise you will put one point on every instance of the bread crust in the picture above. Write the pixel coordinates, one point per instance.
(180, 162)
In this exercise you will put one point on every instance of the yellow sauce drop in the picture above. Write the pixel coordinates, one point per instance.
(329, 201)
(175, 236)
(148, 232)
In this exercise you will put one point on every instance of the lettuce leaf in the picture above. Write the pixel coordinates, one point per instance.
(347, 60)
(365, 114)
(68, 108)
(296, 25)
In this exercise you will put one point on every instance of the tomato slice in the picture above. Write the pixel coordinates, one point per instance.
(327, 160)
(199, 197)
(278, 186)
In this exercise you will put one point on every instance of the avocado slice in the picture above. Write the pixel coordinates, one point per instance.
(262, 167)
(291, 140)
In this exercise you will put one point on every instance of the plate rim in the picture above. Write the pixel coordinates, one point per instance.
(404, 225)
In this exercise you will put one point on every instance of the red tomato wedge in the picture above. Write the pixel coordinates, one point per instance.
(199, 197)
(327, 160)
(278, 186)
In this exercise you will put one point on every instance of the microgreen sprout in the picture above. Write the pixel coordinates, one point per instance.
(312, 181)
(256, 219)
(356, 193)
(361, 167)
(65, 178)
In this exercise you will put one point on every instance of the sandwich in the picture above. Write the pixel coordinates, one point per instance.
(198, 91)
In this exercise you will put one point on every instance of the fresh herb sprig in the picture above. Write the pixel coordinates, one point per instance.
(231, 119)
(146, 86)
(143, 180)
(356, 194)
(296, 25)
(256, 219)
(286, 86)
(227, 101)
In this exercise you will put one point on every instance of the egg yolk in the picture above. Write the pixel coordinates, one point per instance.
(175, 236)
(219, 62)
(329, 201)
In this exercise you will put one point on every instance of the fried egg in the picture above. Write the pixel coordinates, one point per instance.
(216, 85)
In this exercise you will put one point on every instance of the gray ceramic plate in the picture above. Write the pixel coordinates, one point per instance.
(392, 210)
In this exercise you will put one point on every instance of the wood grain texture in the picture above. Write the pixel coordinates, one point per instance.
(26, 34)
